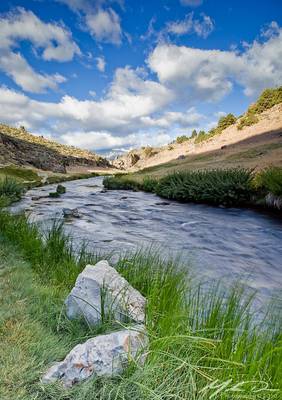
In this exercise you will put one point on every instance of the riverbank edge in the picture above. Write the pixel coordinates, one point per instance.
(198, 329)
(26, 179)
(257, 196)
(192, 339)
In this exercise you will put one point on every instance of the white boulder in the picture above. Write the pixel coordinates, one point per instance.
(104, 355)
(100, 290)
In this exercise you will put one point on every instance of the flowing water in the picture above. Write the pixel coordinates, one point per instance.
(220, 243)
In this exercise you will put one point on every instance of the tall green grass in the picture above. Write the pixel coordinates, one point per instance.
(228, 187)
(204, 343)
(269, 181)
(51, 253)
(10, 190)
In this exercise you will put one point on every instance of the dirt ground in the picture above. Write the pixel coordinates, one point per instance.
(257, 146)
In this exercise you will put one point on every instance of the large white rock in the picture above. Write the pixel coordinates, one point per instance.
(104, 355)
(100, 290)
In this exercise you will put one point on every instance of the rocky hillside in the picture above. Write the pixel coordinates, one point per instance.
(19, 147)
(257, 134)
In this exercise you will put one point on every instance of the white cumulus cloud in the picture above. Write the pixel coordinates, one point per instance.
(138, 109)
(104, 25)
(209, 74)
(52, 40)
(101, 64)
(131, 114)
(102, 22)
(190, 25)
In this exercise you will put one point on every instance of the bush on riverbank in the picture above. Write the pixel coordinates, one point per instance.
(230, 187)
(202, 342)
(269, 181)
(121, 182)
(227, 187)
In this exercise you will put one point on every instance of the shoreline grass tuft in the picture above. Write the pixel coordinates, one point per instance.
(204, 343)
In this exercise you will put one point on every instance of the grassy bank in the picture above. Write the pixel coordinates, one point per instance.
(10, 191)
(229, 187)
(202, 343)
(31, 178)
(14, 181)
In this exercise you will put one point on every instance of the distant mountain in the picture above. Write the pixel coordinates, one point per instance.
(19, 147)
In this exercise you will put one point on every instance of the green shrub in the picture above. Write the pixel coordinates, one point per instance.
(149, 184)
(268, 99)
(120, 183)
(248, 120)
(181, 139)
(269, 181)
(225, 121)
(194, 134)
(228, 187)
(202, 136)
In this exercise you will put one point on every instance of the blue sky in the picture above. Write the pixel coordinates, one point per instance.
(110, 75)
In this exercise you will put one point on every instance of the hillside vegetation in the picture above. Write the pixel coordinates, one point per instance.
(253, 140)
(19, 147)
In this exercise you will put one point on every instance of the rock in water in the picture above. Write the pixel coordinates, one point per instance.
(61, 189)
(69, 213)
(104, 355)
(100, 290)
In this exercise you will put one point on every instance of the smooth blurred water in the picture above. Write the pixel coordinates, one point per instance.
(221, 243)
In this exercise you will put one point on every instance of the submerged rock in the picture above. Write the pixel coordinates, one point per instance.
(54, 194)
(61, 189)
(71, 213)
(100, 290)
(104, 355)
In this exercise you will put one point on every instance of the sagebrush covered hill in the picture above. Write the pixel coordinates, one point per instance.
(19, 147)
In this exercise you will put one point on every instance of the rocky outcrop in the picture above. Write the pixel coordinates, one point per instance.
(21, 148)
(128, 160)
(100, 290)
(104, 355)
